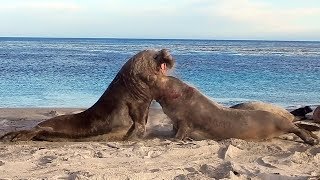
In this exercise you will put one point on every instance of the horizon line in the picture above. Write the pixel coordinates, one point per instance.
(137, 38)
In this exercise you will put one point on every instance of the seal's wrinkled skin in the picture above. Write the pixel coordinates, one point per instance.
(123, 107)
(197, 117)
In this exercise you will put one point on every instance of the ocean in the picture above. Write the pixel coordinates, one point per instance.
(74, 72)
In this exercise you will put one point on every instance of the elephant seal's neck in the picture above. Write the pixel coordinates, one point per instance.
(137, 89)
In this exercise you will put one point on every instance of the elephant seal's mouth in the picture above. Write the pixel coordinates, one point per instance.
(163, 68)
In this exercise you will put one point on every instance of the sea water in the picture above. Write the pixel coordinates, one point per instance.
(74, 72)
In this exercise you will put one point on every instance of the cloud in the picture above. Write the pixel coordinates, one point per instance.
(263, 16)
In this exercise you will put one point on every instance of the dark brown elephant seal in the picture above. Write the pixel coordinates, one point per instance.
(300, 113)
(124, 105)
(198, 117)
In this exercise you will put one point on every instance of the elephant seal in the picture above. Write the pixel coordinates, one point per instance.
(300, 113)
(281, 111)
(264, 107)
(196, 116)
(123, 107)
(316, 115)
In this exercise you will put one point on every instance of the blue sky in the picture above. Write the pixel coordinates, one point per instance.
(196, 19)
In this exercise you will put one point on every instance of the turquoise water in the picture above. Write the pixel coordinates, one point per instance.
(44, 72)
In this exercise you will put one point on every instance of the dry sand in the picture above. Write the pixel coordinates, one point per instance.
(154, 158)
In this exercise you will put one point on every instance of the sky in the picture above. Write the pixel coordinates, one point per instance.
(169, 19)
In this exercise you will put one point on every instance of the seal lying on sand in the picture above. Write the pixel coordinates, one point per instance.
(297, 120)
(125, 103)
(264, 107)
(198, 117)
(300, 113)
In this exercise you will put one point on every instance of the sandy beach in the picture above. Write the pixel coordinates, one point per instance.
(157, 157)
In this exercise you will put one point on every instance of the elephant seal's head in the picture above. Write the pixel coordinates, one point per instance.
(168, 89)
(151, 62)
(141, 71)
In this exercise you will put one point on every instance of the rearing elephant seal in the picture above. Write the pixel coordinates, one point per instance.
(198, 117)
(124, 105)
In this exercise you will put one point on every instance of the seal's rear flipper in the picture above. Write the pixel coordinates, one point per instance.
(307, 136)
(308, 126)
(24, 135)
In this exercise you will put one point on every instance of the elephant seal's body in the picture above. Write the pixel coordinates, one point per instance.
(124, 104)
(198, 117)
